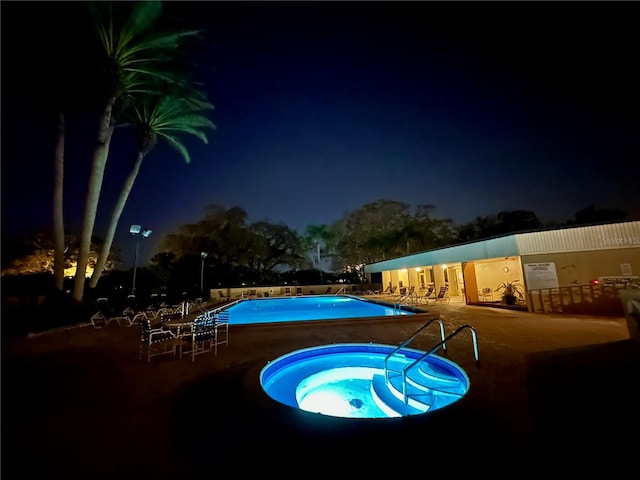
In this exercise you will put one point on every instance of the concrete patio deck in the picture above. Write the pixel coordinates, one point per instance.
(552, 394)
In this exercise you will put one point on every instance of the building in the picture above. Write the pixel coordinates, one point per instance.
(568, 270)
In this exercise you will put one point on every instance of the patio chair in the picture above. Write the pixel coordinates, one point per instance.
(201, 337)
(485, 294)
(390, 291)
(100, 319)
(443, 296)
(428, 294)
(155, 301)
(221, 327)
(406, 296)
(299, 292)
(156, 341)
(170, 315)
(132, 317)
(286, 291)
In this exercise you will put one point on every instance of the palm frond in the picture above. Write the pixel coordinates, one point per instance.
(171, 116)
(177, 145)
(163, 42)
(143, 16)
(137, 55)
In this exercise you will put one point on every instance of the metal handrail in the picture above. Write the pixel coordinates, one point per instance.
(215, 311)
(225, 306)
(474, 337)
(408, 340)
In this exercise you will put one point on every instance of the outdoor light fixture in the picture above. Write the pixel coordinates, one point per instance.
(203, 255)
(135, 230)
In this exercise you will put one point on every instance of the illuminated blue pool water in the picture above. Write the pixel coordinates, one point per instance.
(348, 380)
(303, 308)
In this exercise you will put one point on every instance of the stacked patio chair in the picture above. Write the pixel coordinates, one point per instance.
(221, 329)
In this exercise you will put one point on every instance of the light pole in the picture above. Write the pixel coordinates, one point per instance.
(203, 255)
(135, 230)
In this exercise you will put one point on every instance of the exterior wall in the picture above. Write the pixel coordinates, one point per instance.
(492, 273)
(571, 259)
(581, 268)
(598, 237)
(577, 272)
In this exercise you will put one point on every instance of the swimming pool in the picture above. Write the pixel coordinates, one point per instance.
(349, 380)
(304, 308)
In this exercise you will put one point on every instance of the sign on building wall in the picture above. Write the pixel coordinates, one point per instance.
(541, 275)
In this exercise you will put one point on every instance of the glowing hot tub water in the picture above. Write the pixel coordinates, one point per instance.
(348, 380)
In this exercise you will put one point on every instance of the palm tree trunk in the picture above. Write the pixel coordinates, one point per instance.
(58, 218)
(115, 218)
(100, 154)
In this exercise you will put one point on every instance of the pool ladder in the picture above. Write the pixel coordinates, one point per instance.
(442, 344)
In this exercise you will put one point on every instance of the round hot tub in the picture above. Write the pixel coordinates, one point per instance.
(353, 380)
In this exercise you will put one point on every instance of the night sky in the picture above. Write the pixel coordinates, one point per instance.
(322, 107)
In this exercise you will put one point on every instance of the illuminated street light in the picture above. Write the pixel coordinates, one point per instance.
(203, 255)
(144, 233)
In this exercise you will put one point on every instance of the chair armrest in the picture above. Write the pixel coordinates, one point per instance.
(154, 332)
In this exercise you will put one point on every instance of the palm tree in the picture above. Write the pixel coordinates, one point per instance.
(316, 234)
(63, 58)
(135, 57)
(165, 117)
(58, 217)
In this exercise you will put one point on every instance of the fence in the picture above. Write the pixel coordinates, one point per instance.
(578, 299)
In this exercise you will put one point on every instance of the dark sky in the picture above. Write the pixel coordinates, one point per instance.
(322, 107)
